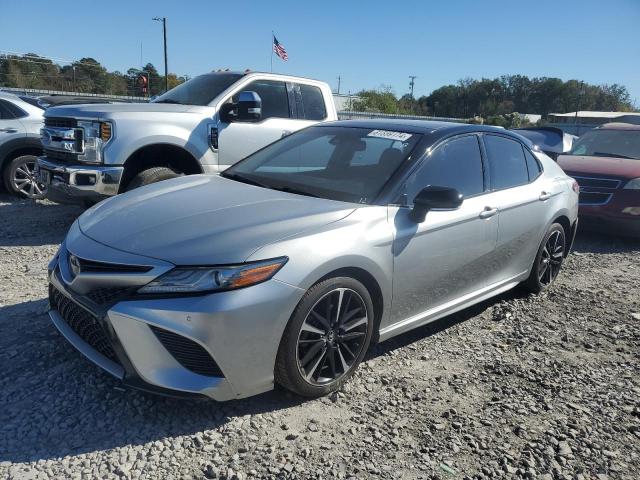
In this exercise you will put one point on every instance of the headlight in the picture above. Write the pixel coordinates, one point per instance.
(633, 184)
(96, 134)
(211, 279)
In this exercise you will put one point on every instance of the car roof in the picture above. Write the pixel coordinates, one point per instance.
(8, 96)
(619, 126)
(438, 129)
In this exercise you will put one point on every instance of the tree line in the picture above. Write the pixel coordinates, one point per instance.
(500, 96)
(86, 75)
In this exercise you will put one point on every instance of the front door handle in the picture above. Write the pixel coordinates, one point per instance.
(544, 196)
(488, 212)
(8, 130)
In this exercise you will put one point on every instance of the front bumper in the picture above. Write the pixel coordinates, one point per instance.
(240, 330)
(78, 183)
(619, 216)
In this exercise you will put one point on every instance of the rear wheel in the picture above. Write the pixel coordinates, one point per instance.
(326, 338)
(20, 179)
(151, 175)
(548, 262)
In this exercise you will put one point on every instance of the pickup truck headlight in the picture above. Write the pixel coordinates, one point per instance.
(212, 279)
(96, 135)
(633, 184)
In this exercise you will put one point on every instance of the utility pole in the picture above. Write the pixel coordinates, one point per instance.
(74, 78)
(339, 78)
(412, 82)
(164, 34)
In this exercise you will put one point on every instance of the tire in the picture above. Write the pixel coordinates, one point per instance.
(151, 175)
(548, 261)
(316, 363)
(19, 179)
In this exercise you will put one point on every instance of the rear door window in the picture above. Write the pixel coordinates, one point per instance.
(312, 103)
(507, 163)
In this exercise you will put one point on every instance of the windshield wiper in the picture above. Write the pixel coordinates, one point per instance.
(614, 155)
(243, 179)
(168, 100)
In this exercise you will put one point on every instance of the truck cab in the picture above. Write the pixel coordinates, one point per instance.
(201, 126)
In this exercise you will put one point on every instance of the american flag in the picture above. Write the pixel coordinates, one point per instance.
(279, 49)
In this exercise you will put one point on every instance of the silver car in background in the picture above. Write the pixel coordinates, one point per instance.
(285, 268)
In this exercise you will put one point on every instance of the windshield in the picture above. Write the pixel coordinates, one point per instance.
(338, 163)
(608, 143)
(199, 90)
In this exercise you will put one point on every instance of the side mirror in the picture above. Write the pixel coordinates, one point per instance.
(249, 107)
(432, 197)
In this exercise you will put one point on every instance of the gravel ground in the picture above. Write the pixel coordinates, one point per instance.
(541, 387)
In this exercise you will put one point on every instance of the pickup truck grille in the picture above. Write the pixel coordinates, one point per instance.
(60, 155)
(596, 190)
(60, 122)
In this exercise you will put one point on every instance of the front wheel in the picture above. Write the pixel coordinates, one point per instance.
(151, 175)
(20, 178)
(326, 338)
(548, 262)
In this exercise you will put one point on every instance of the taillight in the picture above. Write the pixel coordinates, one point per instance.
(575, 186)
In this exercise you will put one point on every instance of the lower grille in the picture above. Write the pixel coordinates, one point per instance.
(188, 353)
(82, 322)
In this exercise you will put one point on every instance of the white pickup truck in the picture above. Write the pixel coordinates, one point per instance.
(201, 126)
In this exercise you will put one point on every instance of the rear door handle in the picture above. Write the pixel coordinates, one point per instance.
(544, 196)
(488, 212)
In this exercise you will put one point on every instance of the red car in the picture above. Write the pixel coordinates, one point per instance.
(605, 162)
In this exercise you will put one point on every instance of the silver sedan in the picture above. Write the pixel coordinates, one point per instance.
(289, 265)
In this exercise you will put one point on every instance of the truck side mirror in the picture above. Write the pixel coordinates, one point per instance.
(249, 107)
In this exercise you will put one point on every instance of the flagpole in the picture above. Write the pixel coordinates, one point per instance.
(273, 35)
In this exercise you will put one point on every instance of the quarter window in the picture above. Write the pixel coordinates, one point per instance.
(508, 165)
(312, 103)
(457, 164)
(5, 112)
(275, 101)
(532, 165)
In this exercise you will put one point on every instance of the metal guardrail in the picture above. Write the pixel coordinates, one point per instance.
(352, 115)
(40, 91)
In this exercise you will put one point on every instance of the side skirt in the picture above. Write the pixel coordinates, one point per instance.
(453, 306)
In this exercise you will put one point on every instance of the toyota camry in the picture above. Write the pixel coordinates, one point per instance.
(285, 268)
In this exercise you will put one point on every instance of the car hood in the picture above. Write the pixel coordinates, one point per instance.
(617, 167)
(204, 219)
(98, 110)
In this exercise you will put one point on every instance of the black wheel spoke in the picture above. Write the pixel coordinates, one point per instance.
(351, 335)
(311, 353)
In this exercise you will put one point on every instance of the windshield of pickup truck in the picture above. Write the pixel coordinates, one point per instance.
(200, 90)
(608, 143)
(337, 163)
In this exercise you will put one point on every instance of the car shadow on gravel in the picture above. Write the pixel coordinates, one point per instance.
(33, 223)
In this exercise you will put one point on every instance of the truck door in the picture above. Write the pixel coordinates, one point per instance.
(237, 140)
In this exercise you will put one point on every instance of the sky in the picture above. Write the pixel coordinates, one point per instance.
(368, 44)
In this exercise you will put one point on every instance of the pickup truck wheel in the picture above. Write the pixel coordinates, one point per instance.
(19, 178)
(151, 175)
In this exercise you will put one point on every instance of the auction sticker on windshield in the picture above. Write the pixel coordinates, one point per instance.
(390, 135)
